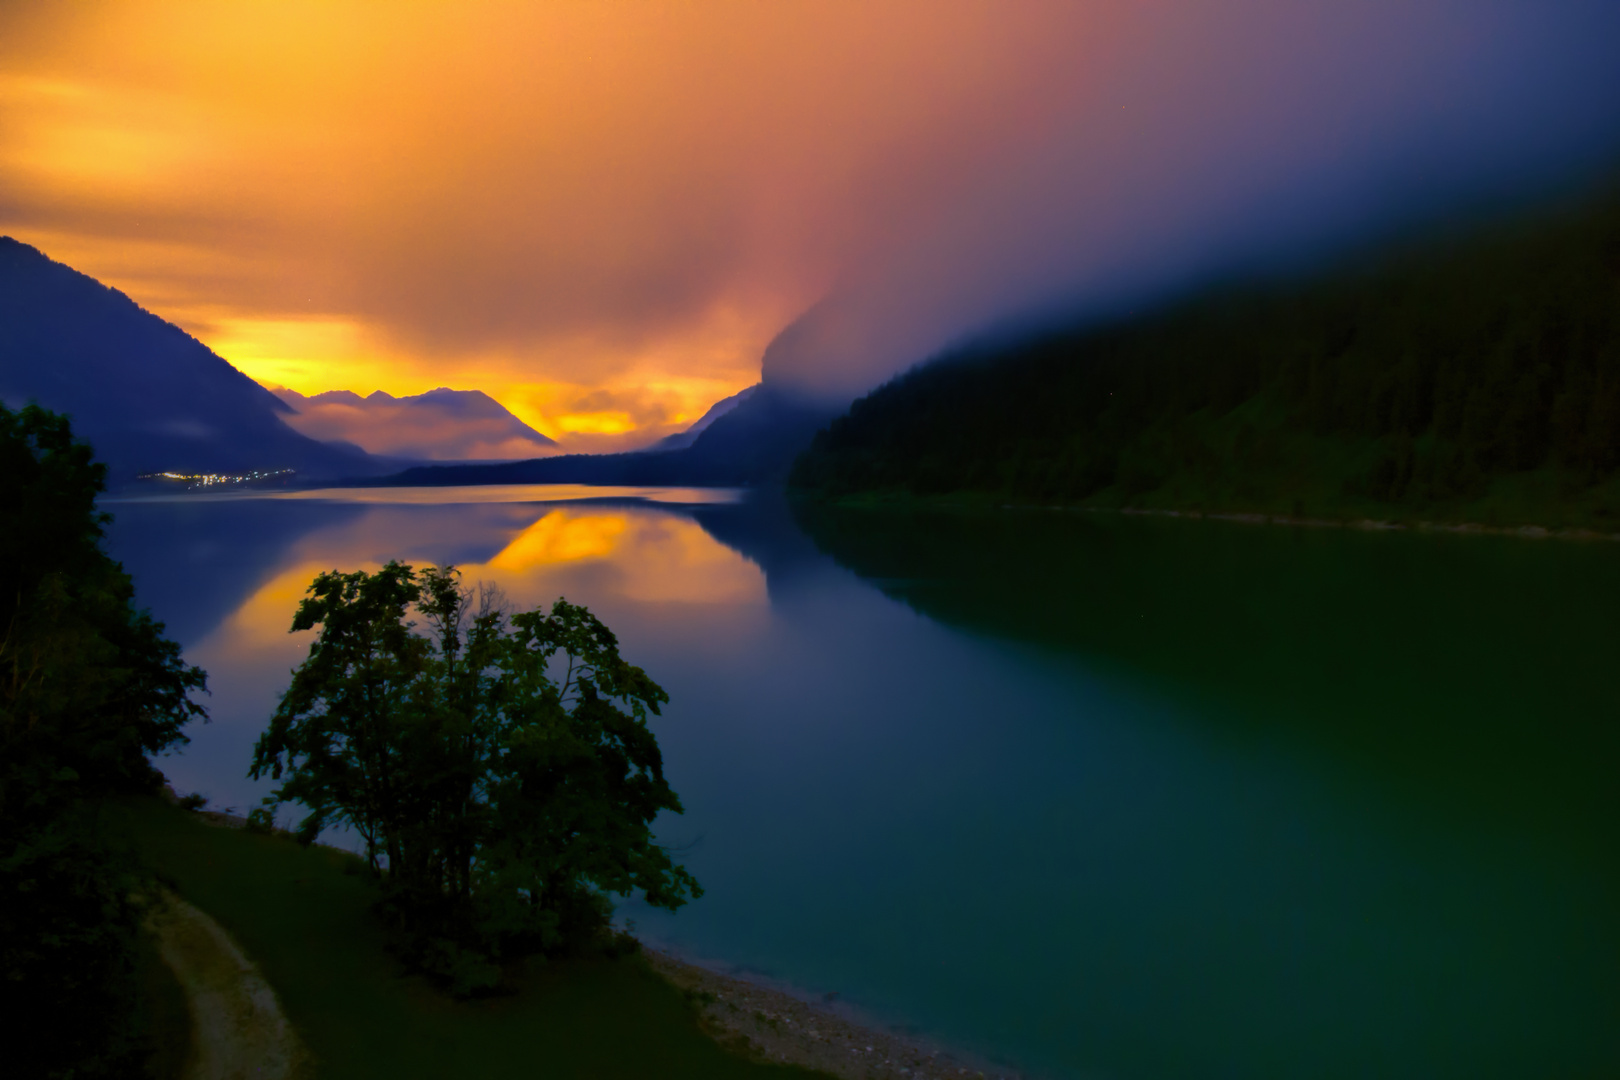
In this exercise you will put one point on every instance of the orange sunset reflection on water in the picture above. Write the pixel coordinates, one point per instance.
(651, 557)
(593, 555)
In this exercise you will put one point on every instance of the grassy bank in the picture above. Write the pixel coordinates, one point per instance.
(163, 1014)
(303, 915)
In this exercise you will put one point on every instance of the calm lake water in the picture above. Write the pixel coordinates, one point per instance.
(1099, 796)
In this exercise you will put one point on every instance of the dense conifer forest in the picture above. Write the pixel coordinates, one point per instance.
(1475, 378)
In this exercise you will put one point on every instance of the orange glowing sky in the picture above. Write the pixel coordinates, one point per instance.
(600, 214)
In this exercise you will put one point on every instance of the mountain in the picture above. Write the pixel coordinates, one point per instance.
(686, 438)
(753, 443)
(1471, 378)
(441, 424)
(144, 393)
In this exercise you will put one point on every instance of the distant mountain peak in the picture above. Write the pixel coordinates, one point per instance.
(442, 424)
(147, 396)
(345, 397)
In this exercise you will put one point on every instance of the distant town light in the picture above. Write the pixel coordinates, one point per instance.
(200, 480)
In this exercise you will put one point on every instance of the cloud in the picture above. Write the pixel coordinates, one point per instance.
(442, 425)
(1260, 136)
(547, 200)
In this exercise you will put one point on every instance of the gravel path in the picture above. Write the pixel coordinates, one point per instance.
(238, 1030)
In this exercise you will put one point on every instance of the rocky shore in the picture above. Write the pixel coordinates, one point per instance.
(770, 1024)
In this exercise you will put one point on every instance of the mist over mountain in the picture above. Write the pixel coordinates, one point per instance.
(752, 443)
(440, 425)
(145, 394)
(682, 440)
(1263, 137)
(1469, 378)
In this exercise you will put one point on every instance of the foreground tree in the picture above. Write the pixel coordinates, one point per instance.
(499, 767)
(89, 687)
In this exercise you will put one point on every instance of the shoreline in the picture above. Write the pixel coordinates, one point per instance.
(1465, 528)
(769, 1023)
(1528, 532)
(752, 1017)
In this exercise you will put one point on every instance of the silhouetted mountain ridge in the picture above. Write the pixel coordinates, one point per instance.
(752, 444)
(681, 440)
(145, 394)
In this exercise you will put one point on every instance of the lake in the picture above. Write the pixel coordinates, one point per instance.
(1098, 796)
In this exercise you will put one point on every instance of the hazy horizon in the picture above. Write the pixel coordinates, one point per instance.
(603, 217)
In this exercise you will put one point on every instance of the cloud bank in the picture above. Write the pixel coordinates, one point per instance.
(1261, 135)
(602, 214)
(440, 425)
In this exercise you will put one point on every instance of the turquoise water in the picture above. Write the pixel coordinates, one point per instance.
(1098, 797)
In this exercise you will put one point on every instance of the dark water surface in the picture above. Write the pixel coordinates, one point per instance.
(1100, 796)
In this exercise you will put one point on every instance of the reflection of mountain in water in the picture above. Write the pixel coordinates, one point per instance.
(196, 561)
(1462, 666)
(761, 528)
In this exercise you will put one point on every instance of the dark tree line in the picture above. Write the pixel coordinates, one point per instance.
(1419, 379)
(89, 687)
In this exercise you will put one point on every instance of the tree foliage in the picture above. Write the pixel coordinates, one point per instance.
(498, 766)
(1417, 380)
(89, 687)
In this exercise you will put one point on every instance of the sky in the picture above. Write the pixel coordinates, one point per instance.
(602, 214)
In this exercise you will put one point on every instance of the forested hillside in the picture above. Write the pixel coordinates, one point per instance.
(1472, 379)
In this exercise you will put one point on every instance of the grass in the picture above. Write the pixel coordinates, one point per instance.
(303, 915)
(164, 1015)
